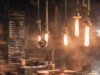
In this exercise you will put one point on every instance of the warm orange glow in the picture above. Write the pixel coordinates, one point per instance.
(23, 62)
(87, 32)
(65, 39)
(77, 27)
(39, 38)
(46, 37)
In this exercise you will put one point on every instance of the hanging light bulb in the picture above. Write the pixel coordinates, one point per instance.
(87, 32)
(43, 38)
(66, 30)
(46, 34)
(46, 37)
(65, 39)
(87, 26)
(77, 27)
(41, 42)
(39, 38)
(77, 17)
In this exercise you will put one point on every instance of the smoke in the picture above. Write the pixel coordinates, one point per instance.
(75, 56)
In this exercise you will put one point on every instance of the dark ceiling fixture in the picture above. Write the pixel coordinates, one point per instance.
(43, 37)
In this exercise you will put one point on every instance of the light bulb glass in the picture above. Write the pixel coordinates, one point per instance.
(39, 38)
(65, 39)
(46, 37)
(76, 27)
(87, 32)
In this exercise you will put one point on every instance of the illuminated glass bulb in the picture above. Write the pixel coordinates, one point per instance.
(39, 38)
(77, 27)
(65, 39)
(77, 17)
(86, 39)
(46, 37)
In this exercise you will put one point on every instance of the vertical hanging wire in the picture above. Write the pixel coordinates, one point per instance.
(65, 13)
(83, 2)
(39, 20)
(77, 8)
(88, 7)
(66, 30)
(77, 17)
(46, 16)
(46, 25)
(38, 10)
(77, 2)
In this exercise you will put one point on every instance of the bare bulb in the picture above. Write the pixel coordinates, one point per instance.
(77, 18)
(87, 32)
(77, 27)
(46, 37)
(39, 38)
(65, 39)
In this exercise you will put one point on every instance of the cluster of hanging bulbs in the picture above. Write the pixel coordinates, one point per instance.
(77, 17)
(43, 38)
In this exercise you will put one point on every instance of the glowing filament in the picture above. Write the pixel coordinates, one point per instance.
(46, 37)
(39, 38)
(65, 39)
(86, 43)
(77, 27)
